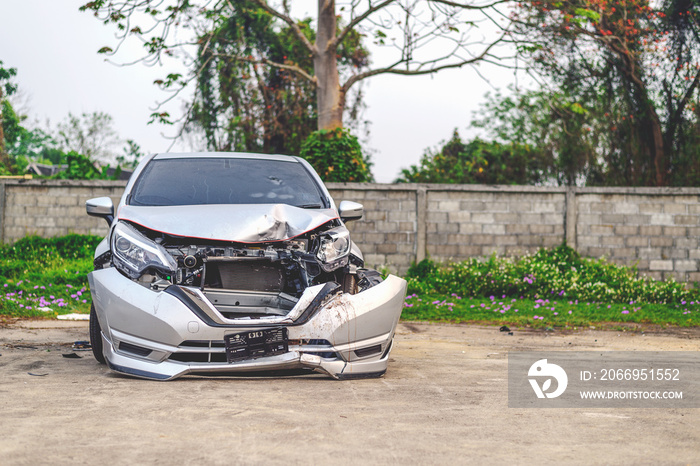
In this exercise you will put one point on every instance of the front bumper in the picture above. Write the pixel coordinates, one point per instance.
(162, 335)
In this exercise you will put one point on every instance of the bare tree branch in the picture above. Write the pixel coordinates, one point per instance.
(292, 24)
(413, 72)
(265, 61)
(355, 21)
(470, 7)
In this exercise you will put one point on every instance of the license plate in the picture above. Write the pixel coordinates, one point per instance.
(256, 344)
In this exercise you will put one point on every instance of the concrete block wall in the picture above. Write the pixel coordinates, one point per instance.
(463, 224)
(656, 229)
(52, 207)
(387, 232)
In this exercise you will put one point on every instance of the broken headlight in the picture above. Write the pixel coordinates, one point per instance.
(133, 253)
(333, 248)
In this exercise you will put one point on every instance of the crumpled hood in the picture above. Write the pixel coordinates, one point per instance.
(245, 223)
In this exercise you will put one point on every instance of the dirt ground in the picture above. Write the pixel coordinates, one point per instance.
(443, 400)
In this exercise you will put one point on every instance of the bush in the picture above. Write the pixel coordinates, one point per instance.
(560, 271)
(337, 156)
(46, 276)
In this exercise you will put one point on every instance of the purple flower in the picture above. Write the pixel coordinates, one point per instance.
(625, 312)
(535, 317)
(502, 311)
(85, 301)
(683, 302)
(491, 298)
(29, 307)
(536, 306)
(36, 286)
(569, 312)
(609, 306)
(436, 302)
(556, 313)
(5, 285)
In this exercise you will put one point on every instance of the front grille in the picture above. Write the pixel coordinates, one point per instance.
(250, 275)
(198, 357)
(216, 353)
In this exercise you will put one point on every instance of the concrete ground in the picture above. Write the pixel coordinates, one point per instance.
(443, 400)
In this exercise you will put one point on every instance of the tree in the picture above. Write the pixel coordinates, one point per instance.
(7, 115)
(90, 134)
(479, 162)
(243, 106)
(554, 125)
(638, 62)
(425, 36)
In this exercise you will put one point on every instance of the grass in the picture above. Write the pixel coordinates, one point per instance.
(42, 277)
(553, 312)
(553, 288)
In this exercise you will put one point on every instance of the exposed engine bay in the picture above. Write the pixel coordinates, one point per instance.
(242, 280)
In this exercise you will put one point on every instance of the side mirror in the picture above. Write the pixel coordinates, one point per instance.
(350, 210)
(100, 207)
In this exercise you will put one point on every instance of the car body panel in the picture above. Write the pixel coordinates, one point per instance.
(243, 223)
(131, 313)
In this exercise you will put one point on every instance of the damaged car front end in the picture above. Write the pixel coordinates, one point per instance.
(222, 263)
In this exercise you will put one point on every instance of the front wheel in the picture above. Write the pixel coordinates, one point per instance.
(96, 336)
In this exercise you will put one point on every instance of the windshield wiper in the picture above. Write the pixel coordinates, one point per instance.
(310, 206)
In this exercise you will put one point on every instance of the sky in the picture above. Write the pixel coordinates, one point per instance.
(54, 47)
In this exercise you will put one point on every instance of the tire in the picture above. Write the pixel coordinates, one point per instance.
(96, 337)
(349, 284)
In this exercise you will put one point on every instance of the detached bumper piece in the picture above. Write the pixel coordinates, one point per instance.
(162, 335)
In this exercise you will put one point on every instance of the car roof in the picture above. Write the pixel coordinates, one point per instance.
(233, 155)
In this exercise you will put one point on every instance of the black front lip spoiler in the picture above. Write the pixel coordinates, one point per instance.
(329, 289)
(137, 372)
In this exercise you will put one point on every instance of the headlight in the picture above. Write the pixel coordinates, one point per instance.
(133, 253)
(334, 248)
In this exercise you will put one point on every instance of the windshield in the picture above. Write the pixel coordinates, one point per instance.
(197, 181)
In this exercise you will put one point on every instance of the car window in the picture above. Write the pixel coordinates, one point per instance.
(197, 181)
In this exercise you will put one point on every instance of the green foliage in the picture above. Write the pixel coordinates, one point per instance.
(629, 70)
(7, 88)
(48, 273)
(243, 106)
(80, 167)
(479, 161)
(555, 125)
(550, 272)
(337, 156)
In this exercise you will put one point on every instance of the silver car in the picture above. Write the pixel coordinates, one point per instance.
(234, 262)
